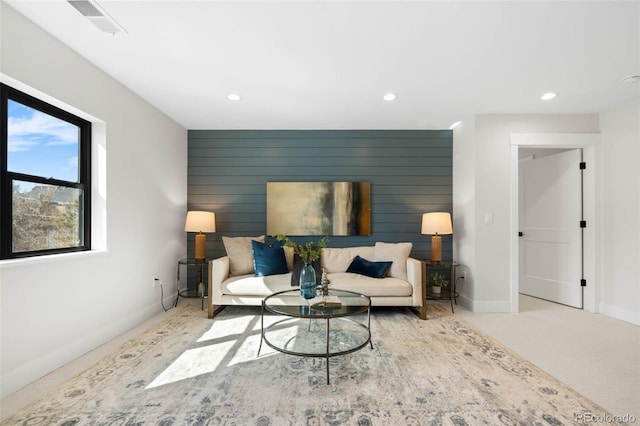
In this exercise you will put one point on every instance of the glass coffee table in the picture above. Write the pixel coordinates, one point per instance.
(315, 331)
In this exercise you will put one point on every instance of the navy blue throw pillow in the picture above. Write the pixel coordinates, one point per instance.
(370, 269)
(268, 260)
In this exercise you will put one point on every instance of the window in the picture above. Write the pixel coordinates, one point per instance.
(45, 178)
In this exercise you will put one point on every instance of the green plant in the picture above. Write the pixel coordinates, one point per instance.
(309, 251)
(439, 280)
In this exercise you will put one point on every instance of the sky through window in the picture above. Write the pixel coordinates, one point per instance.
(40, 144)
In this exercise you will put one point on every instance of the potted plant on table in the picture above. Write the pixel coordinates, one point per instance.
(308, 252)
(438, 281)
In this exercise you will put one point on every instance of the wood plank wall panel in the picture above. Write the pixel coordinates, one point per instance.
(410, 173)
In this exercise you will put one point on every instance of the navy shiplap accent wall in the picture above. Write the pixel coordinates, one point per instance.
(410, 173)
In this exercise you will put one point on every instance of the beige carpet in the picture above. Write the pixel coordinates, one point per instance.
(190, 370)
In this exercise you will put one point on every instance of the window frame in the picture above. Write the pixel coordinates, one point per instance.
(6, 177)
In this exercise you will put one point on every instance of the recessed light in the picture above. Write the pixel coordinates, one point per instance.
(233, 97)
(389, 97)
(454, 125)
(631, 79)
(548, 96)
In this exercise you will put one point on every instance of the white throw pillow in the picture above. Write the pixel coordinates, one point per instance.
(396, 253)
(288, 254)
(240, 254)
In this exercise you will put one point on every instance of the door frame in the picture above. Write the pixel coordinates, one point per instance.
(590, 145)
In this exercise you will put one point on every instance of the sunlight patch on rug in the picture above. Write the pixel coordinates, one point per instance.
(192, 363)
(226, 328)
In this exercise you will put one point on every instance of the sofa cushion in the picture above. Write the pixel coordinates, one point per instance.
(268, 260)
(240, 254)
(250, 285)
(370, 269)
(374, 287)
(338, 259)
(396, 253)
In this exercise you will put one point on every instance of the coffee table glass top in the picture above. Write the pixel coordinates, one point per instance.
(297, 327)
(290, 303)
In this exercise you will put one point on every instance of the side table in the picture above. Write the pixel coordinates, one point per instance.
(442, 273)
(200, 292)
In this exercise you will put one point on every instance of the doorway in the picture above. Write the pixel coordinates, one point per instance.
(590, 145)
(550, 217)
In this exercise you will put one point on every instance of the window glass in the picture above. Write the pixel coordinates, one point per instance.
(45, 217)
(45, 168)
(39, 144)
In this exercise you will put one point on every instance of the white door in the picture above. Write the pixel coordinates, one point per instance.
(551, 242)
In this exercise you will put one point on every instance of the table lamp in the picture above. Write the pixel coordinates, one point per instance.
(436, 224)
(200, 222)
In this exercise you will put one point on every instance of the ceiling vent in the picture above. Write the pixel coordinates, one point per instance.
(94, 13)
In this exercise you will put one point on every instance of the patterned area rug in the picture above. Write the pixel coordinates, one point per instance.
(190, 370)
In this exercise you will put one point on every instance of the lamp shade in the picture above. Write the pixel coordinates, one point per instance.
(437, 223)
(198, 221)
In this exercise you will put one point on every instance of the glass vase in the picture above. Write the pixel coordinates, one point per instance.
(308, 281)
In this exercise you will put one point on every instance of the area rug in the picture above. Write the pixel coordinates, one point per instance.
(191, 370)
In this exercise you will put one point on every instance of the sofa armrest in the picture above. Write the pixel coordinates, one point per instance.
(414, 276)
(218, 272)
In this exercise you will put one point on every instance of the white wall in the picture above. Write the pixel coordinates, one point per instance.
(464, 201)
(620, 248)
(54, 309)
(488, 287)
(481, 164)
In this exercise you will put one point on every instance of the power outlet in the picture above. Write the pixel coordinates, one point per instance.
(461, 273)
(156, 282)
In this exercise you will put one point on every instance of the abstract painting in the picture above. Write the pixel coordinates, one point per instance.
(319, 208)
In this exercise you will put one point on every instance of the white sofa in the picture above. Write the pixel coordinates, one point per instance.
(403, 285)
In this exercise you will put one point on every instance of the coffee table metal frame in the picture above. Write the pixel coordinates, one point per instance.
(290, 311)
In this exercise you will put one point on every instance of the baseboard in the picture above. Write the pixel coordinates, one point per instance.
(465, 302)
(482, 306)
(622, 314)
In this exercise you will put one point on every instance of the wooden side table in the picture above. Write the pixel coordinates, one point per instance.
(443, 273)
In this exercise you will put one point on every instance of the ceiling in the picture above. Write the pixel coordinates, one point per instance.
(327, 64)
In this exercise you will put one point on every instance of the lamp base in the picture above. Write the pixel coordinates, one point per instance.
(201, 240)
(436, 248)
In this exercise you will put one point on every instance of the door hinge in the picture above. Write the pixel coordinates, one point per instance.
(583, 283)
(583, 165)
(583, 224)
